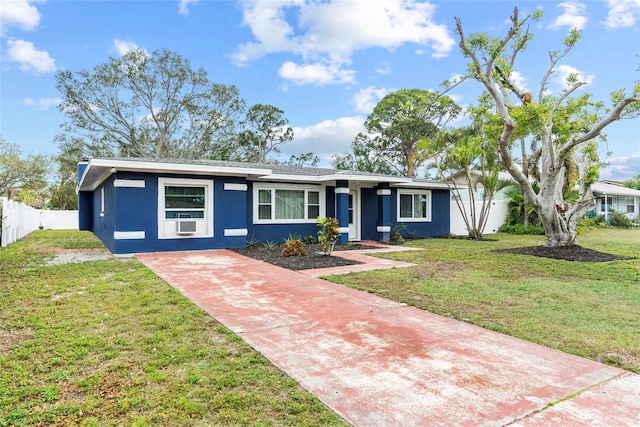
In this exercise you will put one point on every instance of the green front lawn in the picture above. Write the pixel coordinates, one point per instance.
(107, 343)
(588, 309)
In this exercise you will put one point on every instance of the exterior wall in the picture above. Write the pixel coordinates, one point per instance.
(124, 214)
(440, 216)
(103, 223)
(129, 223)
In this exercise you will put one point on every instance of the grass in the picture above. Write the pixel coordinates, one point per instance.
(588, 309)
(108, 343)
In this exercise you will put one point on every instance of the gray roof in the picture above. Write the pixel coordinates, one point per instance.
(100, 168)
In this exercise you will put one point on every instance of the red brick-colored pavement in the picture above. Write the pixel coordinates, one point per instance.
(381, 363)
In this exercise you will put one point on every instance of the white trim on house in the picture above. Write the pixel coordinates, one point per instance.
(235, 232)
(232, 186)
(129, 183)
(167, 227)
(127, 235)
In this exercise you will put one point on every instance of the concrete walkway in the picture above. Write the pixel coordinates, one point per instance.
(381, 363)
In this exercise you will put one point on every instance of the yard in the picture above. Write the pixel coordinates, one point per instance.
(591, 309)
(106, 342)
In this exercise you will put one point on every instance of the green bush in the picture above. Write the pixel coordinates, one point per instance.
(618, 219)
(328, 234)
(293, 247)
(309, 240)
(522, 229)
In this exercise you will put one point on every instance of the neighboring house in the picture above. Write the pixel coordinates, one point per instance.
(614, 196)
(142, 205)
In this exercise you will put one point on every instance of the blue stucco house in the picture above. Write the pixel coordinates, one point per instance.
(145, 205)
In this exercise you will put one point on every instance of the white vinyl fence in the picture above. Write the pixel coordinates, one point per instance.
(497, 217)
(18, 220)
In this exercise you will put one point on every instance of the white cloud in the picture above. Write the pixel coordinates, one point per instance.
(123, 47)
(573, 16)
(383, 68)
(29, 58)
(562, 72)
(622, 168)
(318, 74)
(366, 99)
(326, 138)
(519, 80)
(329, 32)
(42, 103)
(183, 6)
(19, 13)
(622, 13)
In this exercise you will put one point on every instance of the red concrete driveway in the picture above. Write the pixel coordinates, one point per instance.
(381, 363)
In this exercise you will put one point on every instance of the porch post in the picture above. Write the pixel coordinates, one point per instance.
(342, 210)
(384, 212)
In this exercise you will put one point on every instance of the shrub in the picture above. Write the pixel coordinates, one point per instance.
(293, 247)
(396, 236)
(618, 219)
(522, 229)
(309, 240)
(328, 234)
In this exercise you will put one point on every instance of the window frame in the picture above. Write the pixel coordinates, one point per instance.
(205, 223)
(272, 188)
(413, 193)
(631, 204)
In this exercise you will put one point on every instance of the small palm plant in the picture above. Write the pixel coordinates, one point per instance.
(328, 234)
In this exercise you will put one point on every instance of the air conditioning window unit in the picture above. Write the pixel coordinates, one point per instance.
(185, 226)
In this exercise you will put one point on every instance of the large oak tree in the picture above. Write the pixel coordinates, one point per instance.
(149, 105)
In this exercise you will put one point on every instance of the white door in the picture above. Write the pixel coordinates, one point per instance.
(354, 215)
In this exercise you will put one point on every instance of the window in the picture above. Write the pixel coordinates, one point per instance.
(414, 205)
(184, 202)
(605, 204)
(286, 204)
(631, 208)
(181, 200)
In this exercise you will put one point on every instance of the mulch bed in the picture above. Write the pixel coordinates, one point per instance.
(569, 253)
(313, 259)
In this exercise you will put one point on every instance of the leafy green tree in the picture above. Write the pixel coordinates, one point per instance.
(362, 158)
(400, 121)
(20, 173)
(306, 159)
(568, 126)
(265, 128)
(633, 182)
(149, 105)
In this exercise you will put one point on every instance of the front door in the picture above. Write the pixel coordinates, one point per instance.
(354, 215)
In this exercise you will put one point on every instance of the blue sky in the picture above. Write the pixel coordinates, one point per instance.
(325, 63)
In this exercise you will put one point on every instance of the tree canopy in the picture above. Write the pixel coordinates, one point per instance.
(565, 126)
(22, 173)
(397, 125)
(265, 128)
(149, 105)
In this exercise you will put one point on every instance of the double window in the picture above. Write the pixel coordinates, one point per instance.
(181, 200)
(286, 204)
(414, 205)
